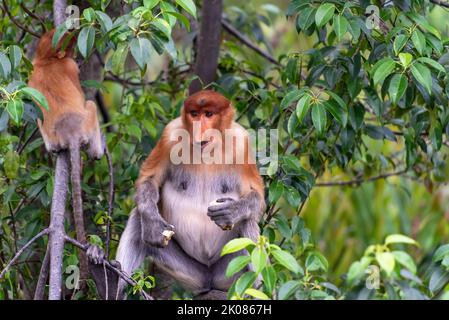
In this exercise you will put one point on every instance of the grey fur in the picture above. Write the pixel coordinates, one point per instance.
(186, 258)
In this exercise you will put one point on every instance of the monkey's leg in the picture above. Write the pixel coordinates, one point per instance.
(172, 259)
(96, 143)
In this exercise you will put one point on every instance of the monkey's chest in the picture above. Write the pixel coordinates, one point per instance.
(184, 204)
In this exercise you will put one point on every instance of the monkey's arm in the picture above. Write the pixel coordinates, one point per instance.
(228, 212)
(155, 230)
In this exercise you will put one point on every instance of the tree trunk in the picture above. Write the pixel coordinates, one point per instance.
(208, 44)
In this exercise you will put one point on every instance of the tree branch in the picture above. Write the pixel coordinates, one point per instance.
(208, 45)
(5, 7)
(22, 250)
(56, 241)
(358, 181)
(59, 7)
(247, 42)
(111, 198)
(43, 276)
(440, 3)
(110, 266)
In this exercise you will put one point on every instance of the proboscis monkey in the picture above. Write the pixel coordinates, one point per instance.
(186, 212)
(71, 122)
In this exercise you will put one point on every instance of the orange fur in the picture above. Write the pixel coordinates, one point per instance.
(223, 112)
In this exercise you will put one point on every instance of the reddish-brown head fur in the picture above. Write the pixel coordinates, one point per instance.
(63, 49)
(211, 109)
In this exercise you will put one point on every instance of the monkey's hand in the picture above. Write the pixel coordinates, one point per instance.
(226, 212)
(156, 232)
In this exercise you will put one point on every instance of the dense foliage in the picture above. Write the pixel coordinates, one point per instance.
(355, 93)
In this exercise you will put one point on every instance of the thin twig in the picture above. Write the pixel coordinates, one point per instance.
(22, 147)
(43, 276)
(35, 16)
(440, 3)
(5, 7)
(359, 181)
(111, 198)
(22, 250)
(110, 266)
(247, 42)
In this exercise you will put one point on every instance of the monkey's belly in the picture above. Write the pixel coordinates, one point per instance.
(195, 232)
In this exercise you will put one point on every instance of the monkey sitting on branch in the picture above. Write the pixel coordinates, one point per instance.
(198, 189)
(70, 124)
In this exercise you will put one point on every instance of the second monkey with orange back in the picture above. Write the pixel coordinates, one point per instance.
(71, 122)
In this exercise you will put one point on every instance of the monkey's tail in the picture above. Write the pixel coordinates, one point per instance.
(77, 205)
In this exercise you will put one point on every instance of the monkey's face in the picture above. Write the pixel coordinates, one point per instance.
(206, 115)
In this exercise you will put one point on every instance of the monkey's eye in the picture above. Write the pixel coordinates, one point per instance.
(209, 114)
(194, 113)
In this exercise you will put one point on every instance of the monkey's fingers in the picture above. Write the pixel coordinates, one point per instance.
(167, 234)
(227, 227)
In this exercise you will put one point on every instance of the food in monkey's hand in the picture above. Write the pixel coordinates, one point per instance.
(167, 236)
(218, 202)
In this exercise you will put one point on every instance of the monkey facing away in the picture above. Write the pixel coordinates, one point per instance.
(202, 205)
(71, 121)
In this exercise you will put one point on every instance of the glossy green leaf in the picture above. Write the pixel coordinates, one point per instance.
(319, 117)
(422, 74)
(86, 40)
(398, 85)
(324, 14)
(287, 260)
(187, 5)
(36, 96)
(237, 245)
(384, 70)
(237, 264)
(141, 50)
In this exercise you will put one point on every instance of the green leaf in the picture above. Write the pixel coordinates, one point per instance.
(104, 20)
(399, 238)
(275, 191)
(287, 260)
(141, 49)
(438, 279)
(150, 4)
(256, 294)
(404, 259)
(405, 58)
(306, 17)
(244, 282)
(324, 14)
(398, 85)
(119, 58)
(15, 109)
(316, 261)
(434, 64)
(340, 26)
(86, 40)
(386, 261)
(399, 43)
(422, 75)
(419, 41)
(35, 95)
(288, 289)
(302, 107)
(163, 26)
(258, 259)
(269, 278)
(5, 66)
(339, 114)
(187, 5)
(11, 164)
(134, 131)
(441, 253)
(181, 18)
(237, 264)
(15, 55)
(89, 14)
(384, 70)
(290, 97)
(319, 117)
(237, 245)
(59, 33)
